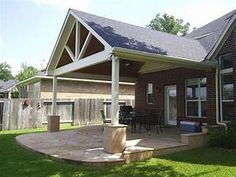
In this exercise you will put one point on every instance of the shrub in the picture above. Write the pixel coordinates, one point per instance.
(219, 137)
(231, 134)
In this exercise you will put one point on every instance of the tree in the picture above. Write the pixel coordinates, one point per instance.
(170, 24)
(26, 72)
(5, 72)
(15, 94)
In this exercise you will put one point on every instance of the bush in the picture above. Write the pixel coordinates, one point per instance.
(231, 134)
(219, 137)
(15, 94)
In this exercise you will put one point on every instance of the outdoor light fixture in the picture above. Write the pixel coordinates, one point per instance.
(127, 63)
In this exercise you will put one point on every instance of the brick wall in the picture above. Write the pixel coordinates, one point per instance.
(230, 47)
(175, 77)
(74, 89)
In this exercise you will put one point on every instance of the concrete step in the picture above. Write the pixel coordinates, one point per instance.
(137, 153)
(168, 150)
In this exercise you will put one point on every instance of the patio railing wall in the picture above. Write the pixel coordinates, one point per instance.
(32, 113)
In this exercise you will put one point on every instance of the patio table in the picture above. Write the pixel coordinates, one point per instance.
(145, 120)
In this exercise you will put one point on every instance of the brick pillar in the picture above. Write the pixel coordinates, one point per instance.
(211, 97)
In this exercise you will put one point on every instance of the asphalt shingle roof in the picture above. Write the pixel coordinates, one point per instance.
(195, 45)
(120, 34)
(209, 34)
(4, 86)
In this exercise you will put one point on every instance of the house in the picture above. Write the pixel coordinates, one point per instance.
(40, 87)
(6, 88)
(191, 78)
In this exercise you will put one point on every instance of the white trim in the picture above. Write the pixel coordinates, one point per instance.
(167, 111)
(77, 39)
(106, 45)
(66, 30)
(221, 73)
(198, 100)
(64, 43)
(136, 55)
(147, 93)
(227, 101)
(58, 39)
(70, 53)
(82, 75)
(226, 71)
(71, 13)
(80, 64)
(54, 97)
(115, 91)
(101, 77)
(85, 45)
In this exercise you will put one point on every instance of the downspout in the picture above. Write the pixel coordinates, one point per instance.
(217, 99)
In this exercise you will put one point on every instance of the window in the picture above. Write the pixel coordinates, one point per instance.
(196, 97)
(226, 88)
(149, 93)
(226, 61)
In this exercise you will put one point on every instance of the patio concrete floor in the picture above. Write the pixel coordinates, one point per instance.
(84, 145)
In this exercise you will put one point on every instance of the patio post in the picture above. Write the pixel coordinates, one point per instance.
(54, 97)
(114, 135)
(54, 119)
(115, 90)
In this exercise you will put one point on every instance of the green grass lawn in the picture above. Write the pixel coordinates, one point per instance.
(16, 162)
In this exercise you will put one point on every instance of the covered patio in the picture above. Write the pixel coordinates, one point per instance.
(94, 47)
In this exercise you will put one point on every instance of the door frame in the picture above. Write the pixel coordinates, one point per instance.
(166, 100)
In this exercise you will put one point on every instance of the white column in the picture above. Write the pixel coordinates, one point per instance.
(54, 98)
(115, 91)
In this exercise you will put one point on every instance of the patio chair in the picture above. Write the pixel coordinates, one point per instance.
(125, 116)
(105, 120)
(156, 120)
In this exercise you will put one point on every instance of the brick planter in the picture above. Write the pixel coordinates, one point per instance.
(53, 123)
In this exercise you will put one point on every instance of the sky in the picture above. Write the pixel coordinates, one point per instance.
(29, 28)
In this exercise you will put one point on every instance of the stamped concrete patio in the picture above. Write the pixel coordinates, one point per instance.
(84, 145)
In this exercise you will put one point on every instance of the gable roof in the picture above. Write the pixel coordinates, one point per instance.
(197, 46)
(124, 35)
(5, 86)
(209, 34)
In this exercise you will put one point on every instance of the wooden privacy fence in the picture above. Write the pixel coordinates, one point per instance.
(32, 113)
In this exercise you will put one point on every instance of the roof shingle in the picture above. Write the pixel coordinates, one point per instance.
(209, 34)
(195, 45)
(120, 34)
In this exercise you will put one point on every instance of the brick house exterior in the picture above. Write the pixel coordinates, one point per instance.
(178, 77)
(190, 78)
(230, 47)
(174, 77)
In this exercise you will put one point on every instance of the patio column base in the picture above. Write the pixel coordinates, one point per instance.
(53, 123)
(114, 138)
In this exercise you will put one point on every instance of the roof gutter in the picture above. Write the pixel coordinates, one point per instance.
(144, 56)
(38, 78)
(32, 79)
